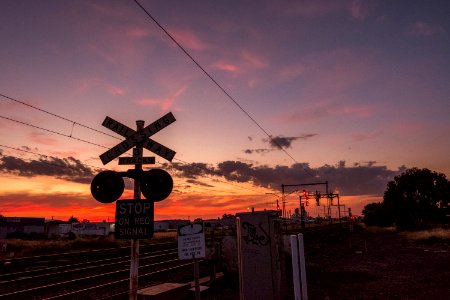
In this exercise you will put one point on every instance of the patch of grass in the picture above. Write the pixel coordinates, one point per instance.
(377, 229)
(20, 248)
(428, 236)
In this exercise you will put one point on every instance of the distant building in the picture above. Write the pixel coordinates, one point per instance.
(57, 228)
(220, 223)
(161, 226)
(60, 228)
(17, 226)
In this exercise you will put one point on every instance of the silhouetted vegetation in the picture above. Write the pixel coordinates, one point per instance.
(73, 219)
(376, 214)
(416, 199)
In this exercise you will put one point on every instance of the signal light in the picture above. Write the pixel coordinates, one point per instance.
(107, 186)
(156, 184)
(305, 195)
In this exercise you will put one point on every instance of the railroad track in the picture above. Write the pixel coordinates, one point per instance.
(98, 275)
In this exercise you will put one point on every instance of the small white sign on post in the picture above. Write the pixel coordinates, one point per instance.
(191, 241)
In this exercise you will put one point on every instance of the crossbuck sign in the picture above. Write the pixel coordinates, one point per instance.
(134, 138)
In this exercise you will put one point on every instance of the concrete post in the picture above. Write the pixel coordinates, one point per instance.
(260, 256)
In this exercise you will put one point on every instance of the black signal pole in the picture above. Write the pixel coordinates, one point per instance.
(134, 264)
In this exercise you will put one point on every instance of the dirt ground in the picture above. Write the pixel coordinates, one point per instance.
(369, 264)
(378, 265)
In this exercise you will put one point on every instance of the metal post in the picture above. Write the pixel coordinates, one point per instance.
(196, 279)
(282, 200)
(302, 216)
(339, 210)
(134, 264)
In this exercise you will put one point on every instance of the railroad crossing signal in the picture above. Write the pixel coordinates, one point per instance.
(134, 138)
(134, 218)
(155, 184)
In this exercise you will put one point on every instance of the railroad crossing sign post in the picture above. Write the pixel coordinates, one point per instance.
(126, 210)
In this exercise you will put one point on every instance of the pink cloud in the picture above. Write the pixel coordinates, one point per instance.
(64, 153)
(307, 8)
(253, 61)
(407, 128)
(43, 139)
(165, 104)
(115, 90)
(361, 111)
(292, 71)
(359, 9)
(188, 39)
(359, 137)
(88, 84)
(329, 72)
(245, 62)
(423, 29)
(137, 33)
(225, 66)
(324, 109)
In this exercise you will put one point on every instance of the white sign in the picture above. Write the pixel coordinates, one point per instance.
(133, 138)
(191, 241)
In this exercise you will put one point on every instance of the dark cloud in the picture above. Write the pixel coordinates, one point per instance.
(359, 179)
(70, 169)
(193, 170)
(259, 151)
(198, 182)
(286, 142)
(279, 142)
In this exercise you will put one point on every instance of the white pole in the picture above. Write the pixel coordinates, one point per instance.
(301, 257)
(295, 268)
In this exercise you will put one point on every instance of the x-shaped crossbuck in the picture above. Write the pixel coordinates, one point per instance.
(134, 138)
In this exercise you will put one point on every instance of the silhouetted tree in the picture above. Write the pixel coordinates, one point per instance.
(417, 198)
(73, 219)
(228, 217)
(376, 214)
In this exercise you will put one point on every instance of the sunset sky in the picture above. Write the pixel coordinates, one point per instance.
(353, 91)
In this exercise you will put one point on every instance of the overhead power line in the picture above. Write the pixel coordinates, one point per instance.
(228, 95)
(88, 142)
(52, 131)
(57, 116)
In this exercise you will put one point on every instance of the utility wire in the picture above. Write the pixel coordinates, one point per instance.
(52, 131)
(57, 116)
(88, 142)
(218, 85)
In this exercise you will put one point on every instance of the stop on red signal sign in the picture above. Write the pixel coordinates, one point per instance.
(134, 219)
